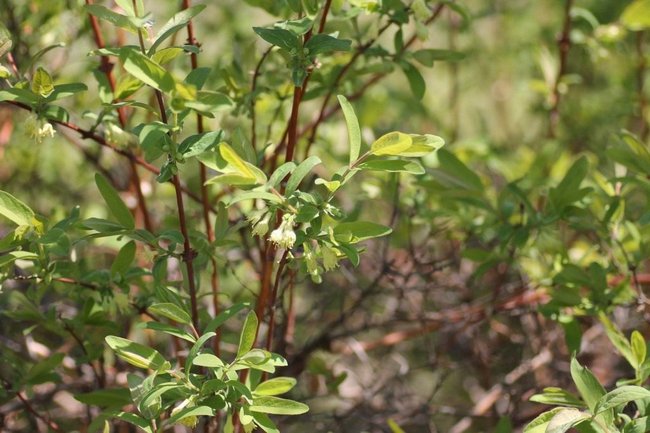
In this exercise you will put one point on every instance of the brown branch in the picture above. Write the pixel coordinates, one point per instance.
(256, 75)
(205, 199)
(327, 112)
(188, 253)
(107, 69)
(564, 45)
(28, 406)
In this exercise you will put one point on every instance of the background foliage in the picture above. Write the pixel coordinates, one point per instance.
(519, 243)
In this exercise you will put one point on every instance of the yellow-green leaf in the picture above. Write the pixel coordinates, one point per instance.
(15, 210)
(42, 83)
(137, 354)
(392, 143)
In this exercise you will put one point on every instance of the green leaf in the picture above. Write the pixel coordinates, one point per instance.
(393, 166)
(199, 143)
(300, 172)
(116, 397)
(639, 425)
(175, 23)
(639, 349)
(264, 422)
(5, 40)
(590, 389)
(12, 256)
(539, 424)
(278, 406)
(297, 27)
(280, 173)
(208, 102)
(275, 386)
(224, 315)
(115, 204)
(137, 354)
(323, 43)
(457, 173)
(236, 163)
(415, 79)
(248, 334)
(124, 258)
(423, 145)
(428, 56)
(41, 372)
(42, 83)
(66, 90)
(151, 400)
(392, 143)
(279, 37)
(568, 190)
(136, 420)
(168, 329)
(619, 396)
(196, 347)
(254, 195)
(566, 419)
(354, 131)
(166, 55)
(171, 311)
(357, 231)
(636, 16)
(21, 95)
(131, 24)
(559, 397)
(15, 210)
(208, 360)
(618, 340)
(190, 412)
(146, 70)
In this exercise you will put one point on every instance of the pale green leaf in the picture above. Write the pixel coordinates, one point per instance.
(42, 83)
(278, 406)
(115, 204)
(248, 334)
(275, 386)
(619, 396)
(15, 210)
(354, 131)
(300, 172)
(171, 311)
(175, 23)
(392, 143)
(137, 354)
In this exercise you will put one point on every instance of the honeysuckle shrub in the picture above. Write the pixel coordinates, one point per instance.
(215, 216)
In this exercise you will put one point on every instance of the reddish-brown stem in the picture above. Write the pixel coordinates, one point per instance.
(188, 253)
(293, 124)
(256, 75)
(327, 112)
(28, 406)
(87, 134)
(265, 285)
(273, 300)
(564, 45)
(290, 325)
(205, 199)
(290, 134)
(107, 68)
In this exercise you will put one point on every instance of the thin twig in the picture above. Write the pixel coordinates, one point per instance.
(564, 45)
